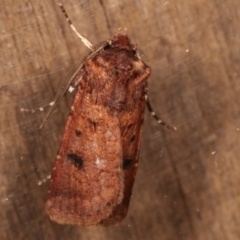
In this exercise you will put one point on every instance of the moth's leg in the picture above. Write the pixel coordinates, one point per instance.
(70, 86)
(33, 110)
(72, 83)
(150, 109)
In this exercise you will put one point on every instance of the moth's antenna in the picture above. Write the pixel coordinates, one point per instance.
(83, 39)
(150, 109)
(88, 44)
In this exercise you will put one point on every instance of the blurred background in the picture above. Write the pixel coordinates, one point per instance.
(187, 184)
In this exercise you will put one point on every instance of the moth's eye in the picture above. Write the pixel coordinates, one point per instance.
(107, 47)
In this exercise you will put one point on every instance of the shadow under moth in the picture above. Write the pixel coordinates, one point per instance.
(94, 171)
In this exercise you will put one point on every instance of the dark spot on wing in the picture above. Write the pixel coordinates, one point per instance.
(75, 159)
(127, 163)
(94, 124)
(132, 138)
(78, 133)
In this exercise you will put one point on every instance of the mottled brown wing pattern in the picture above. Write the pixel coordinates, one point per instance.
(95, 168)
(131, 132)
(85, 185)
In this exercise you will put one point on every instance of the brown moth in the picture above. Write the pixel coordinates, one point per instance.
(95, 168)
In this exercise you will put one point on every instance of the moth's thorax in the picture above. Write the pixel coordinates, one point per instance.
(117, 77)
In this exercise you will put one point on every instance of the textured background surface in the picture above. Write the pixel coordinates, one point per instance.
(187, 185)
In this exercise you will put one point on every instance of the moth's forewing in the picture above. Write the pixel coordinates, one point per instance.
(87, 179)
(131, 130)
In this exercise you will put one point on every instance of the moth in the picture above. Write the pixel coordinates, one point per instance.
(95, 168)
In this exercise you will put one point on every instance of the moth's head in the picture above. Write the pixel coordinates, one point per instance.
(122, 41)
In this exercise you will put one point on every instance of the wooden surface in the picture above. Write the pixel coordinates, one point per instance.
(187, 185)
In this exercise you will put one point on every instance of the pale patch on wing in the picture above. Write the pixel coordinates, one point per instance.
(100, 162)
